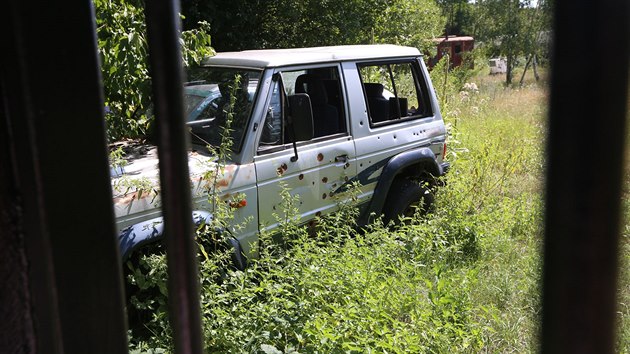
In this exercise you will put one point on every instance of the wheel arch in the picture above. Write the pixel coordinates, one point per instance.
(151, 231)
(411, 163)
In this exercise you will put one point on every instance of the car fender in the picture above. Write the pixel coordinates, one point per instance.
(141, 234)
(408, 163)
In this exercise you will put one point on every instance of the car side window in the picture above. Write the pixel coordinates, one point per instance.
(323, 86)
(272, 127)
(394, 91)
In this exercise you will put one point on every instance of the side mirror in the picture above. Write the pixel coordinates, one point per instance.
(301, 117)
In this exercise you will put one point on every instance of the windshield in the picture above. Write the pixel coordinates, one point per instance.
(207, 98)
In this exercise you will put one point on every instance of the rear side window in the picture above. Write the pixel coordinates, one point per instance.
(394, 91)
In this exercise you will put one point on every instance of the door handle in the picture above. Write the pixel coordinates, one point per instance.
(341, 158)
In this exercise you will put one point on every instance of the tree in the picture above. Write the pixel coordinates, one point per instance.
(122, 45)
(410, 22)
(537, 35)
(254, 24)
(234, 24)
(459, 15)
(511, 28)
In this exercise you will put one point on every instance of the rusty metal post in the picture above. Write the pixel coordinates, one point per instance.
(587, 127)
(163, 33)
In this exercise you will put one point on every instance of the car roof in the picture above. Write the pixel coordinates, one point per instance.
(265, 58)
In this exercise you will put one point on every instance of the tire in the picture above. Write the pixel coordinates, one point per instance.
(404, 197)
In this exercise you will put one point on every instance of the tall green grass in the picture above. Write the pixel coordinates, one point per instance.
(495, 184)
(462, 279)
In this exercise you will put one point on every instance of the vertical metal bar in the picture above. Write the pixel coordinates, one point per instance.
(25, 207)
(57, 123)
(585, 155)
(163, 33)
(16, 328)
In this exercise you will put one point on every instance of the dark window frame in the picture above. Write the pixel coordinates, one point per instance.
(420, 83)
(286, 144)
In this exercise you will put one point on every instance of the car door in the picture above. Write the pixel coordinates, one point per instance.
(324, 164)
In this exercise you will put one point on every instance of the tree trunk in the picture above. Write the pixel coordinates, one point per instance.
(508, 72)
(529, 60)
(535, 67)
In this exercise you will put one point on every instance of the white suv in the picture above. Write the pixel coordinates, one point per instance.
(315, 119)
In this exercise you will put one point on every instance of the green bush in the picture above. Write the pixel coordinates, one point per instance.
(122, 46)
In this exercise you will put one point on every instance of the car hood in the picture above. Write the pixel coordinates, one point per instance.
(136, 180)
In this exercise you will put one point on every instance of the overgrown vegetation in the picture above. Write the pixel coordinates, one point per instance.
(464, 278)
(255, 24)
(122, 44)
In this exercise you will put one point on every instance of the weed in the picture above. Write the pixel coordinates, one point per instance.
(463, 278)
